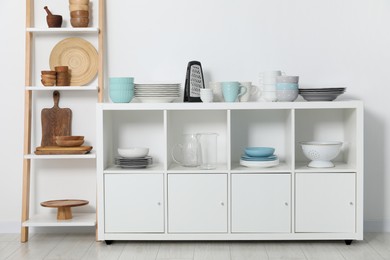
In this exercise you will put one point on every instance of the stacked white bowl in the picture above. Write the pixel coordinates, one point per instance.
(287, 89)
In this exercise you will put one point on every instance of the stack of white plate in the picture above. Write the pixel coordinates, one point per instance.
(157, 92)
(321, 94)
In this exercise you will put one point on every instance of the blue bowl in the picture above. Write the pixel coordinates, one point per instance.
(286, 86)
(122, 80)
(259, 151)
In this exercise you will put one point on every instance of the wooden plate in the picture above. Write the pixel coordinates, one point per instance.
(80, 56)
(41, 150)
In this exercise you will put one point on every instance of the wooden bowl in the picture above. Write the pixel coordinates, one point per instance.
(48, 83)
(54, 21)
(61, 68)
(79, 2)
(79, 22)
(48, 77)
(48, 72)
(69, 137)
(69, 143)
(79, 14)
(76, 7)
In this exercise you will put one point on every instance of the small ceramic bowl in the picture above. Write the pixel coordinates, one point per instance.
(287, 79)
(133, 152)
(259, 151)
(288, 95)
(69, 137)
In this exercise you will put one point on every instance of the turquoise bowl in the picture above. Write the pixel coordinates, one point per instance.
(286, 86)
(122, 94)
(122, 80)
(259, 151)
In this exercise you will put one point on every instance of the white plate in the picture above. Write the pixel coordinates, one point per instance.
(259, 164)
(156, 99)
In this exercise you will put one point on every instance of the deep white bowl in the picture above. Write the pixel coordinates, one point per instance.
(321, 153)
(133, 152)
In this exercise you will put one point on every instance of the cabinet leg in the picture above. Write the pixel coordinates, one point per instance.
(348, 242)
(108, 242)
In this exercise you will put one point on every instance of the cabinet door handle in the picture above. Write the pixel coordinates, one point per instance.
(286, 203)
(351, 203)
(222, 204)
(159, 203)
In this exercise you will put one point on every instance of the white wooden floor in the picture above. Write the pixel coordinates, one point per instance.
(83, 246)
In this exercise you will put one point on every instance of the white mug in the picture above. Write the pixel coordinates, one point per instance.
(252, 90)
(217, 91)
(206, 95)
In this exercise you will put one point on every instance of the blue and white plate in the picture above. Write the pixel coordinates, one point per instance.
(259, 159)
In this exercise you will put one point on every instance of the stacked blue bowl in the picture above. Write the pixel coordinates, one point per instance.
(259, 157)
(121, 89)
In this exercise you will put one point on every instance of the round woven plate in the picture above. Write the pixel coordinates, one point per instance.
(80, 56)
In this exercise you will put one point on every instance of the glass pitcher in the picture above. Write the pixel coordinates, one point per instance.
(188, 152)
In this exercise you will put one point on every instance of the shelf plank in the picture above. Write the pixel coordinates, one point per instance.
(63, 30)
(176, 168)
(155, 168)
(339, 167)
(90, 155)
(50, 220)
(71, 88)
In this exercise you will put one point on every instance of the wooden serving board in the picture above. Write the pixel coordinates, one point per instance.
(56, 121)
(42, 150)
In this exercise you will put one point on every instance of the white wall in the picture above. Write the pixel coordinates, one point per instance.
(327, 43)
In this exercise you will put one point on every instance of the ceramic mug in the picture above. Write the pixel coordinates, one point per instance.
(217, 91)
(231, 90)
(206, 95)
(251, 91)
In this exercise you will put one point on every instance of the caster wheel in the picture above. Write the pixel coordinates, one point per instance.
(108, 242)
(348, 242)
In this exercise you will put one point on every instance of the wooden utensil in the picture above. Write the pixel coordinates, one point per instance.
(64, 207)
(56, 121)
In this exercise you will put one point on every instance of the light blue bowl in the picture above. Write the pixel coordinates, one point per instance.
(124, 95)
(259, 151)
(124, 80)
(286, 86)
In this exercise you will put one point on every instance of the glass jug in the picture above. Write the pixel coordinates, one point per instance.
(188, 152)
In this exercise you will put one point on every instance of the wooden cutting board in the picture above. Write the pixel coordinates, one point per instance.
(55, 121)
(62, 150)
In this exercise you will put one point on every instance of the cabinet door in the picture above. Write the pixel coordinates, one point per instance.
(133, 203)
(197, 203)
(261, 203)
(325, 202)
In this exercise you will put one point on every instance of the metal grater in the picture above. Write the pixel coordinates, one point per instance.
(194, 82)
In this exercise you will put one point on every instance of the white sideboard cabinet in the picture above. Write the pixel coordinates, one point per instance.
(291, 201)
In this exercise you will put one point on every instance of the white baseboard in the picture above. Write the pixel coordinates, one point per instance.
(10, 227)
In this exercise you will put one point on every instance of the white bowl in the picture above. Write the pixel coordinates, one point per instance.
(321, 153)
(133, 152)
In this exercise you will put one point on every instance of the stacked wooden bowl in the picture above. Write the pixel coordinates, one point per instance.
(48, 78)
(63, 77)
(79, 13)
